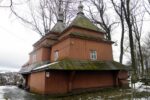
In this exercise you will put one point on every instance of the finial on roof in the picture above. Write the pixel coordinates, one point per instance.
(60, 12)
(60, 16)
(59, 26)
(80, 8)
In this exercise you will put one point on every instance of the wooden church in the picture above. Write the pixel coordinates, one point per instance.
(73, 58)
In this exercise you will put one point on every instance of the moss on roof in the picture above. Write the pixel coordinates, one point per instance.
(28, 69)
(84, 65)
(58, 27)
(89, 37)
(84, 22)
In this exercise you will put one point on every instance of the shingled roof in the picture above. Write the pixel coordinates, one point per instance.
(84, 22)
(68, 64)
(89, 37)
(28, 69)
(59, 26)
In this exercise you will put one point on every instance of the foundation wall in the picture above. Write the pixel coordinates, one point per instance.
(93, 80)
(56, 83)
(37, 82)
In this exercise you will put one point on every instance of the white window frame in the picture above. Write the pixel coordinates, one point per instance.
(34, 57)
(56, 55)
(93, 54)
(47, 74)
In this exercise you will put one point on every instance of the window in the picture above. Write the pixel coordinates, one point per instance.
(34, 57)
(93, 55)
(47, 74)
(56, 55)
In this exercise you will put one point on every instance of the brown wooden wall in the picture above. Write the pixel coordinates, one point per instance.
(80, 49)
(64, 81)
(123, 74)
(68, 48)
(56, 83)
(61, 82)
(93, 79)
(42, 54)
(37, 82)
(84, 31)
(64, 49)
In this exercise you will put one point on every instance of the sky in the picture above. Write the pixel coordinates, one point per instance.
(16, 41)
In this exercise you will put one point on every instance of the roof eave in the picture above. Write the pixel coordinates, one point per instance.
(75, 36)
(73, 26)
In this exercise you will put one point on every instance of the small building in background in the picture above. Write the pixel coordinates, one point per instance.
(73, 58)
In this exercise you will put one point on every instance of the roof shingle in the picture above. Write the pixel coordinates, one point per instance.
(84, 22)
(68, 64)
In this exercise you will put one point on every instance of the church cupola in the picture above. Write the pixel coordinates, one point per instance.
(82, 21)
(59, 26)
(60, 16)
(80, 9)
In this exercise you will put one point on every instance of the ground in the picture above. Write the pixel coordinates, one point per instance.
(141, 92)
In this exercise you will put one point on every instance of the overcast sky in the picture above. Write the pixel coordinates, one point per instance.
(15, 41)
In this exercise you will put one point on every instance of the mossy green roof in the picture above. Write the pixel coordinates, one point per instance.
(28, 69)
(84, 22)
(83, 65)
(89, 37)
(58, 27)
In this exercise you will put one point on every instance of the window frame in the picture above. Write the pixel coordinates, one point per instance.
(93, 54)
(56, 55)
(34, 57)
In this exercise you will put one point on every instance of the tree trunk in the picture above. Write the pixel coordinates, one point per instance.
(141, 57)
(109, 35)
(121, 42)
(127, 12)
(132, 51)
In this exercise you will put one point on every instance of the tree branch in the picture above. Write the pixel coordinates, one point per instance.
(7, 6)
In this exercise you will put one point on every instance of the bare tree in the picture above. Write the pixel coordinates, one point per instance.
(9, 3)
(103, 20)
(127, 10)
(118, 7)
(146, 4)
(147, 41)
(137, 29)
(146, 53)
(42, 15)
